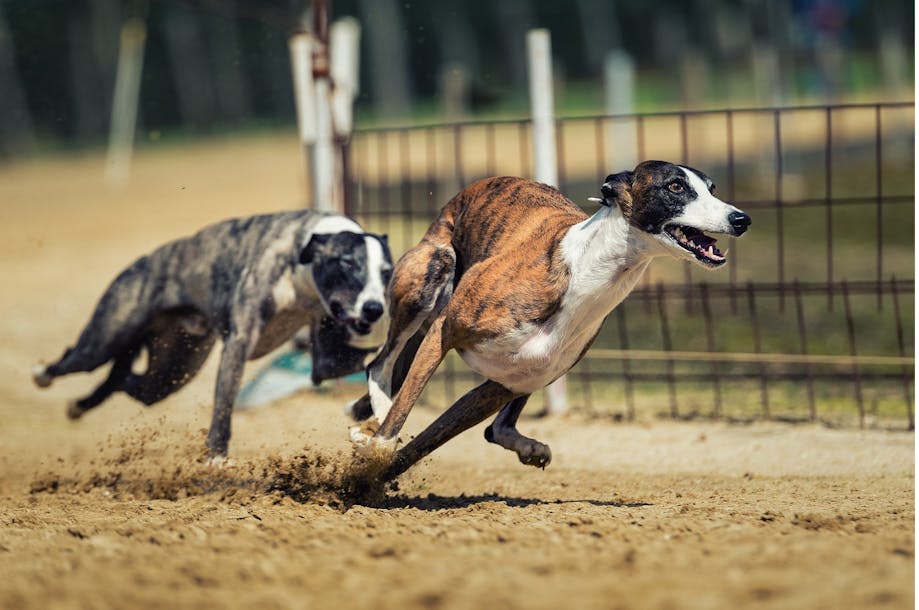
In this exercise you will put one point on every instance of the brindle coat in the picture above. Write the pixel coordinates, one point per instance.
(252, 282)
(518, 280)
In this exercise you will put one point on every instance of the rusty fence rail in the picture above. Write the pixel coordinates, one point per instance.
(813, 319)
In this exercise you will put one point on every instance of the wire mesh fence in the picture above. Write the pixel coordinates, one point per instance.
(813, 318)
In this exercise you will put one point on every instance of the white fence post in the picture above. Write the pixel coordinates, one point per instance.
(327, 173)
(545, 164)
(124, 104)
(325, 85)
(344, 68)
(619, 94)
(301, 65)
(542, 107)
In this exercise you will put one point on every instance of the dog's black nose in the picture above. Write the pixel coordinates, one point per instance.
(739, 222)
(372, 310)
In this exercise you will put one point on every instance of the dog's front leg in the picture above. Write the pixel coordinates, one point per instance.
(473, 407)
(503, 432)
(232, 361)
(429, 356)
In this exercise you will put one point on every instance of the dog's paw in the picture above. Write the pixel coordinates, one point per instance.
(74, 412)
(375, 448)
(362, 433)
(219, 461)
(533, 453)
(40, 376)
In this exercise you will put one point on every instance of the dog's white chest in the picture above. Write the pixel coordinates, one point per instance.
(534, 355)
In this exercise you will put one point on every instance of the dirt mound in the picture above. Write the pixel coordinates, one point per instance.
(145, 464)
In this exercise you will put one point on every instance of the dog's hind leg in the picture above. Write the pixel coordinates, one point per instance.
(174, 358)
(121, 370)
(86, 356)
(472, 408)
(119, 316)
(503, 432)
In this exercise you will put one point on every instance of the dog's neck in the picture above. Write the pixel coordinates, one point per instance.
(605, 249)
(605, 258)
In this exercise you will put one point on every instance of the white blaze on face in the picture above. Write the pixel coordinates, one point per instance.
(336, 224)
(374, 290)
(706, 212)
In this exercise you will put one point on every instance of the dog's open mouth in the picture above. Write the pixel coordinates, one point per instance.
(698, 243)
(360, 326)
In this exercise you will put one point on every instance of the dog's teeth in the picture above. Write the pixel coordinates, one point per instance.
(725, 253)
(711, 250)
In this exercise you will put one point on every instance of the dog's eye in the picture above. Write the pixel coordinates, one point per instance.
(675, 187)
(346, 264)
(386, 275)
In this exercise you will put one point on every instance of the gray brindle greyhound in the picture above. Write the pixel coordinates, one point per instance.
(253, 282)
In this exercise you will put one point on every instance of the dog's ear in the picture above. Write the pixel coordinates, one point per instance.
(309, 251)
(616, 190)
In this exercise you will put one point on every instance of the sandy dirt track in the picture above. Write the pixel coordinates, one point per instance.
(116, 511)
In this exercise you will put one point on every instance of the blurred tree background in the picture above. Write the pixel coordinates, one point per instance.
(217, 65)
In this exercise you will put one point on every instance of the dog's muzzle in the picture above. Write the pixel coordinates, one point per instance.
(371, 311)
(739, 222)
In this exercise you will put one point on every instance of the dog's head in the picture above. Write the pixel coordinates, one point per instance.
(675, 205)
(350, 272)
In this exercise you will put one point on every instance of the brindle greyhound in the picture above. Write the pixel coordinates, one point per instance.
(518, 280)
(251, 281)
